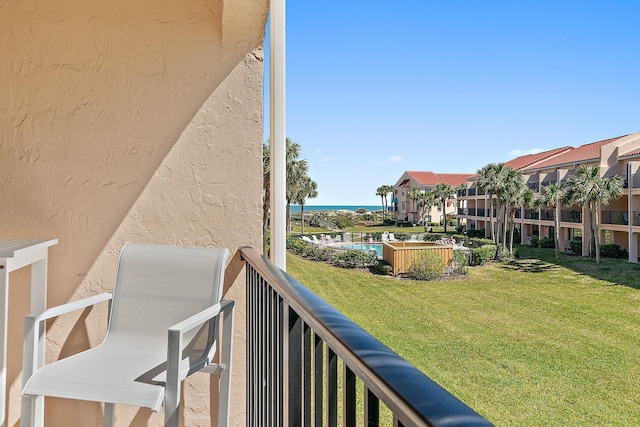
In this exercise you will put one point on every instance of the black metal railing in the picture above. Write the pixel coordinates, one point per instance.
(462, 193)
(295, 342)
(481, 212)
(546, 214)
(471, 191)
(615, 217)
(535, 186)
(635, 180)
(462, 211)
(531, 214)
(568, 215)
(471, 211)
(636, 217)
(518, 213)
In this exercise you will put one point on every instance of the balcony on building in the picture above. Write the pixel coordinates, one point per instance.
(546, 214)
(614, 217)
(571, 215)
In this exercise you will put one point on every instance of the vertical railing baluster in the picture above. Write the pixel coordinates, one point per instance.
(306, 375)
(274, 346)
(265, 387)
(295, 368)
(262, 403)
(249, 347)
(332, 388)
(349, 397)
(252, 380)
(318, 377)
(281, 337)
(371, 409)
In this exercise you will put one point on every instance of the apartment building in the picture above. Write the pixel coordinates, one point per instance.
(619, 221)
(405, 209)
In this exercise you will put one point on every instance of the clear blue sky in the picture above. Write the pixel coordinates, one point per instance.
(375, 88)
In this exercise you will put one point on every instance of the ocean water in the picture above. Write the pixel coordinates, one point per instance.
(311, 208)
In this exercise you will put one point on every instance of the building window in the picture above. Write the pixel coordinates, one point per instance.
(439, 208)
(403, 206)
(404, 192)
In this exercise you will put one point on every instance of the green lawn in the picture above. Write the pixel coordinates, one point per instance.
(532, 342)
(295, 229)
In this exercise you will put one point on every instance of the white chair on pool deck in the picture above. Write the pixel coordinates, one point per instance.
(314, 239)
(392, 237)
(385, 236)
(163, 327)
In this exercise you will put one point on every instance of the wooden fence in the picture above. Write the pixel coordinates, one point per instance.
(401, 255)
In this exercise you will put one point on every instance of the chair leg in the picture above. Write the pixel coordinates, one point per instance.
(172, 407)
(172, 386)
(109, 415)
(225, 376)
(27, 418)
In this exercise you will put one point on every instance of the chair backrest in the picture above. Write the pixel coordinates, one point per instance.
(158, 286)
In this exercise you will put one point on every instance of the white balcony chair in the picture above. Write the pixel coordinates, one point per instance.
(163, 327)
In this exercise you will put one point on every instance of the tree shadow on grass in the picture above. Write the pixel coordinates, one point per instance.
(529, 266)
(617, 272)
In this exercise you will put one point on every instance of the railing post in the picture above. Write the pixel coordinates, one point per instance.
(294, 363)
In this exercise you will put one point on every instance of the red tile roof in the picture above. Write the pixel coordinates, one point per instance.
(631, 153)
(583, 153)
(531, 159)
(430, 178)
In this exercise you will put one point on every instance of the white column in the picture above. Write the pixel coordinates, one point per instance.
(277, 108)
(630, 213)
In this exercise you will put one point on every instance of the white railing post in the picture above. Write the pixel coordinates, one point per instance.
(277, 116)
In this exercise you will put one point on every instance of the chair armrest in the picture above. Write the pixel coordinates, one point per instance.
(201, 317)
(176, 338)
(33, 355)
(70, 306)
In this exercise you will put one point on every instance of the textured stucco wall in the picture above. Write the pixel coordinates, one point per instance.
(126, 121)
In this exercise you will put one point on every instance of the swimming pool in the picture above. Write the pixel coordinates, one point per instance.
(365, 247)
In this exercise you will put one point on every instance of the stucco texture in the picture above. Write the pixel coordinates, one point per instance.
(126, 121)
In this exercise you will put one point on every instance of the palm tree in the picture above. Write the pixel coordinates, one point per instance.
(414, 195)
(266, 193)
(382, 192)
(524, 197)
(296, 171)
(550, 197)
(308, 189)
(488, 180)
(587, 188)
(386, 190)
(426, 201)
(512, 192)
(443, 192)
